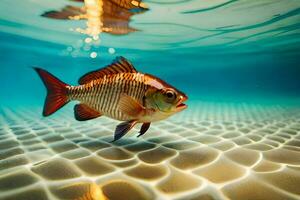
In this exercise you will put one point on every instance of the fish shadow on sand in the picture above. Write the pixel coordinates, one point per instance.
(109, 16)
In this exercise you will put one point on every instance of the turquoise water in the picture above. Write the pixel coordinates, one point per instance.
(232, 51)
(236, 60)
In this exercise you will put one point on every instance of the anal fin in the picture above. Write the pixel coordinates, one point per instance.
(144, 128)
(83, 112)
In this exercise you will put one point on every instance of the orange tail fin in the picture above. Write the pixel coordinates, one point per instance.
(56, 92)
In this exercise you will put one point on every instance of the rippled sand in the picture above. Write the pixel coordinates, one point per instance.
(213, 151)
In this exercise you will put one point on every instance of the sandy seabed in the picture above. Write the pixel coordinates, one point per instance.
(210, 151)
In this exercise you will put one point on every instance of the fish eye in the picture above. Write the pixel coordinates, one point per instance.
(170, 95)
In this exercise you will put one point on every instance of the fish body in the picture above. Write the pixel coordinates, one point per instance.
(104, 94)
(117, 91)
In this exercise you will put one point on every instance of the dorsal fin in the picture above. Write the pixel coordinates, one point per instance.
(119, 65)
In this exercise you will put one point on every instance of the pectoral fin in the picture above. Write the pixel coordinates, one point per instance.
(123, 128)
(144, 128)
(129, 106)
(83, 112)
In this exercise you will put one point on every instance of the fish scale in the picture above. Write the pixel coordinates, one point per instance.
(104, 94)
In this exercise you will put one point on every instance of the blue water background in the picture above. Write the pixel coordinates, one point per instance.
(263, 70)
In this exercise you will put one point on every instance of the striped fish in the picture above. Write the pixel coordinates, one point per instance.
(117, 91)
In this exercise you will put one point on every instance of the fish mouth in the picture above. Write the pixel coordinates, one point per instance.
(180, 105)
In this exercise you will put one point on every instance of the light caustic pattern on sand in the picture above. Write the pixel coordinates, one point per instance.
(212, 152)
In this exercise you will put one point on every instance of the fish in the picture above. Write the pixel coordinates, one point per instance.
(117, 91)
